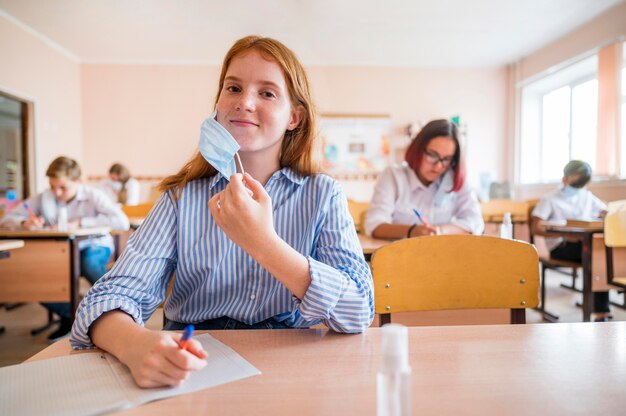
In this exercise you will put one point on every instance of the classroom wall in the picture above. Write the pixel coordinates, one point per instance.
(145, 116)
(34, 70)
(131, 111)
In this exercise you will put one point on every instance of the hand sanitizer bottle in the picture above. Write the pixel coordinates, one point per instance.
(62, 218)
(506, 228)
(393, 387)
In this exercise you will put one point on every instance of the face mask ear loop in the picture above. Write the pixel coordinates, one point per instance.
(240, 164)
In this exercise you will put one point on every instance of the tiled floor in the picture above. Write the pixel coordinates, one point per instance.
(16, 343)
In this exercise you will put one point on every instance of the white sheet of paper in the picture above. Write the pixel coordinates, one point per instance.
(91, 384)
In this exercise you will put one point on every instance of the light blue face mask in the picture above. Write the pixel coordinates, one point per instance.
(219, 147)
(570, 191)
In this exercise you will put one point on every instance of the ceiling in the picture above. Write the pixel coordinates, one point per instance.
(424, 33)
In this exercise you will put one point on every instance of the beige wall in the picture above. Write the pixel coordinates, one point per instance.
(145, 116)
(148, 116)
(34, 71)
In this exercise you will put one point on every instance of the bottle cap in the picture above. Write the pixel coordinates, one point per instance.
(395, 348)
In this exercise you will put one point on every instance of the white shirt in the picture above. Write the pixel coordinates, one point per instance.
(558, 206)
(113, 188)
(399, 191)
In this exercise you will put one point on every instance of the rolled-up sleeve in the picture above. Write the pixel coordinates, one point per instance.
(341, 292)
(138, 282)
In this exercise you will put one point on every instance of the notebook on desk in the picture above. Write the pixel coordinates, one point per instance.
(97, 383)
(588, 222)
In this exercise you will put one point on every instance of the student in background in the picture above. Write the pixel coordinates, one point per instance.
(431, 182)
(571, 201)
(272, 248)
(85, 207)
(121, 187)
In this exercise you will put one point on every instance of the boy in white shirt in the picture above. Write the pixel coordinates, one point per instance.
(571, 201)
(86, 207)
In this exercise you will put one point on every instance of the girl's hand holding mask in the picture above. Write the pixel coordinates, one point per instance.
(244, 211)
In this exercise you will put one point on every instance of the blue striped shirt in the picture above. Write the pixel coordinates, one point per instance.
(215, 277)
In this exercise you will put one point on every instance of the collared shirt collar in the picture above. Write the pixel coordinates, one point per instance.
(288, 173)
(416, 184)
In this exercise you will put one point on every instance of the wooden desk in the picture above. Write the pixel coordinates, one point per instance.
(47, 269)
(370, 244)
(5, 252)
(585, 235)
(556, 369)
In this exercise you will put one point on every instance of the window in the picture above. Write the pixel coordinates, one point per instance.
(559, 122)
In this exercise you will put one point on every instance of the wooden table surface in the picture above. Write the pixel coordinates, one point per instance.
(370, 244)
(46, 233)
(540, 369)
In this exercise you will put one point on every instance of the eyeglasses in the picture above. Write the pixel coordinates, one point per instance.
(434, 158)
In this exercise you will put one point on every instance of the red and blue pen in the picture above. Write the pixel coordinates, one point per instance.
(184, 340)
(29, 210)
(420, 217)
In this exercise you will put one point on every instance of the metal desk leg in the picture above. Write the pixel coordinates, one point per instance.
(74, 276)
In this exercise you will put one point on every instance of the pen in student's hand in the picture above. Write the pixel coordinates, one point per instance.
(184, 340)
(420, 217)
(29, 210)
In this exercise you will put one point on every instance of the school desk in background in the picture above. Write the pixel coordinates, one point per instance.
(47, 268)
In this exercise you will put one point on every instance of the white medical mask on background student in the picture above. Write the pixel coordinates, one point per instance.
(218, 147)
(570, 191)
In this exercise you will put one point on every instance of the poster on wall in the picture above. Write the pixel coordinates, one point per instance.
(355, 144)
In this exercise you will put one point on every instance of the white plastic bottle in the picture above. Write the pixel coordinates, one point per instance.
(506, 228)
(393, 382)
(62, 218)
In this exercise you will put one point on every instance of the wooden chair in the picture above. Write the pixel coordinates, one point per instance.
(614, 236)
(140, 210)
(358, 211)
(548, 263)
(494, 209)
(455, 272)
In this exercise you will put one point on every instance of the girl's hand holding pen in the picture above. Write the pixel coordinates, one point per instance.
(422, 230)
(157, 358)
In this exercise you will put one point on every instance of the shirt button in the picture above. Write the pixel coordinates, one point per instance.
(252, 297)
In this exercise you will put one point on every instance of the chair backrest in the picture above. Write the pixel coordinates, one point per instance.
(455, 272)
(615, 224)
(531, 204)
(614, 237)
(494, 209)
(140, 210)
(358, 211)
